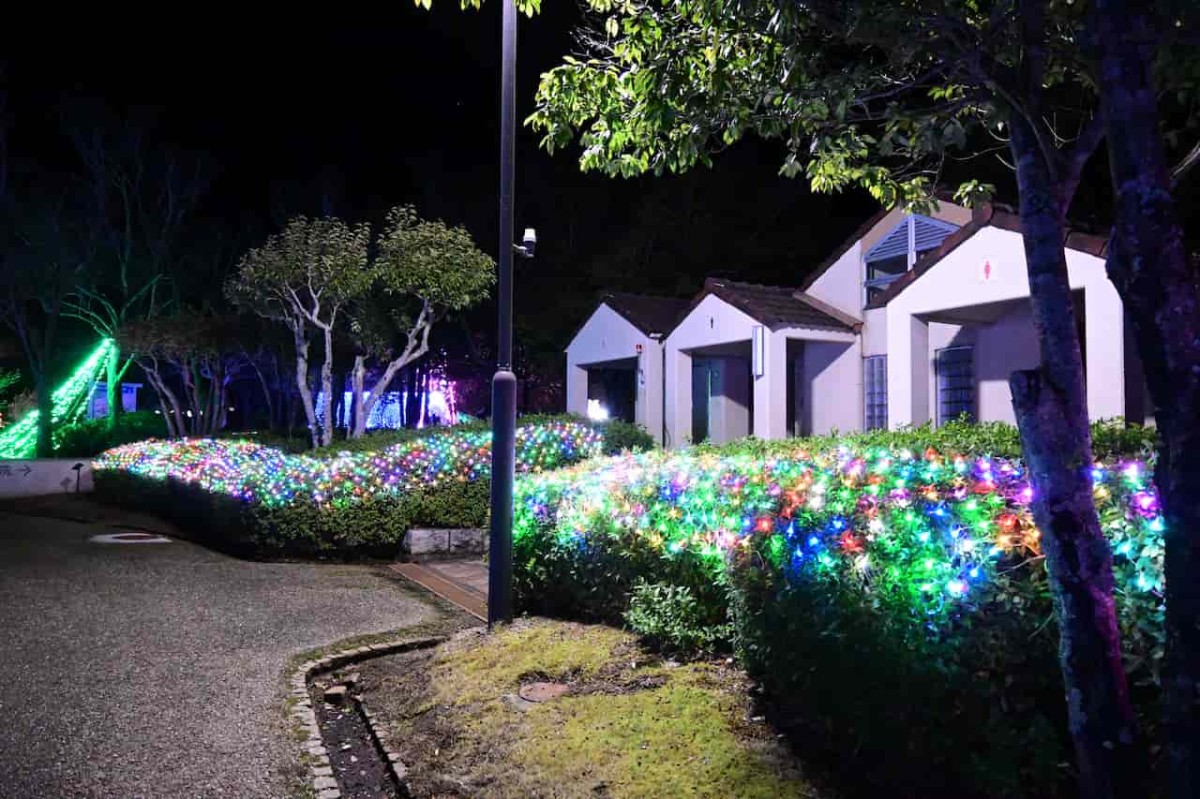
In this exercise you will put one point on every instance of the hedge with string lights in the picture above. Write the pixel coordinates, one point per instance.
(896, 599)
(257, 499)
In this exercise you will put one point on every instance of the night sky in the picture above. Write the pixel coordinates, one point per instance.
(314, 116)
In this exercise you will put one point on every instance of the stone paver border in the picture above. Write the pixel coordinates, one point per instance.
(313, 751)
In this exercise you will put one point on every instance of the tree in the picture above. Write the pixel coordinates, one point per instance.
(306, 276)
(37, 269)
(134, 199)
(879, 94)
(189, 359)
(1148, 265)
(422, 270)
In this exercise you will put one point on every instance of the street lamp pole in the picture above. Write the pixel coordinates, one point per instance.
(504, 384)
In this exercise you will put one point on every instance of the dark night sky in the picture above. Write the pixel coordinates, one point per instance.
(401, 106)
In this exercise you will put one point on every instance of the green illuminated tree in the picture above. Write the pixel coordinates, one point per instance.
(422, 271)
(878, 94)
(306, 277)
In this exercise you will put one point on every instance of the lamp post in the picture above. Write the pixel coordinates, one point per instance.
(504, 384)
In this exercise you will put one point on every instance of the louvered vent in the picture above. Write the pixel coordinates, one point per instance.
(930, 232)
(927, 233)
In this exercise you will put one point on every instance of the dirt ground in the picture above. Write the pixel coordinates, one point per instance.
(552, 709)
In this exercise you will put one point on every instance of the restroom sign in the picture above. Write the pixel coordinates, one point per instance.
(986, 272)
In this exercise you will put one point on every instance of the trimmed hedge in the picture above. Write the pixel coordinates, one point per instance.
(93, 436)
(372, 528)
(257, 500)
(618, 436)
(892, 601)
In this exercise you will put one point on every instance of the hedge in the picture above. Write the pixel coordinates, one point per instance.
(255, 499)
(93, 436)
(892, 601)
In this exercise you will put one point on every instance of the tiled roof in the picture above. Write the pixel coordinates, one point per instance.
(654, 316)
(778, 306)
(986, 215)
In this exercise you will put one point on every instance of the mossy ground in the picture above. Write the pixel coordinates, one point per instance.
(630, 725)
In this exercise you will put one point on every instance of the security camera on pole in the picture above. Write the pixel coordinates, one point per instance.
(504, 384)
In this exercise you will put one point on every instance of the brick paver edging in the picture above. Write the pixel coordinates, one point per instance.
(313, 751)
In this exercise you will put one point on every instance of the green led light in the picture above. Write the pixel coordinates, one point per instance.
(19, 440)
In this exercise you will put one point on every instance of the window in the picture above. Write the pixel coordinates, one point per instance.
(897, 252)
(875, 407)
(955, 383)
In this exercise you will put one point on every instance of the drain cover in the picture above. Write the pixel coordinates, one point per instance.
(129, 537)
(542, 691)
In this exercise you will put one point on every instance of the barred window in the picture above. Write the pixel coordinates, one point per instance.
(956, 383)
(875, 407)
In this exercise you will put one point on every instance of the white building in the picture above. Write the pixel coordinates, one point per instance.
(915, 319)
(614, 362)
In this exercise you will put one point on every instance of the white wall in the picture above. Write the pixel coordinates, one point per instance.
(729, 407)
(605, 337)
(1002, 348)
(31, 478)
(959, 281)
(874, 332)
(842, 283)
(711, 323)
(833, 384)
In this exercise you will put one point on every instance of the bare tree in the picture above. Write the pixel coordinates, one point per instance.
(137, 196)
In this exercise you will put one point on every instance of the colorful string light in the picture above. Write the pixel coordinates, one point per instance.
(924, 529)
(257, 473)
(69, 401)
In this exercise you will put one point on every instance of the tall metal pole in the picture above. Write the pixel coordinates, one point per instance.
(504, 384)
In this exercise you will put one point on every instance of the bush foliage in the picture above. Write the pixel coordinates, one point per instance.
(890, 596)
(257, 499)
(93, 436)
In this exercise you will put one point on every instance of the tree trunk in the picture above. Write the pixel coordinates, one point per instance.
(167, 401)
(424, 397)
(358, 378)
(1148, 265)
(327, 388)
(164, 409)
(45, 426)
(412, 411)
(266, 390)
(1051, 409)
(306, 397)
(112, 383)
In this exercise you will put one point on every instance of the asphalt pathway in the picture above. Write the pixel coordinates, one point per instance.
(157, 670)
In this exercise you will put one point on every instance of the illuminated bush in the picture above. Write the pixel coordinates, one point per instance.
(260, 500)
(896, 600)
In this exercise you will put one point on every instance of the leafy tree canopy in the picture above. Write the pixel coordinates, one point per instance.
(308, 271)
(869, 93)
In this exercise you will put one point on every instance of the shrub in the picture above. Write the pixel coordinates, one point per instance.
(93, 436)
(1111, 439)
(671, 618)
(893, 603)
(625, 437)
(255, 499)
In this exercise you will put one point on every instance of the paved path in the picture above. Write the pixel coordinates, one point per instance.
(156, 670)
(462, 582)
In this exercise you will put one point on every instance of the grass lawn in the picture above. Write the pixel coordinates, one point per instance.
(629, 724)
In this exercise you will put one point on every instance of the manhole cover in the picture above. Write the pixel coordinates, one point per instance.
(542, 691)
(128, 537)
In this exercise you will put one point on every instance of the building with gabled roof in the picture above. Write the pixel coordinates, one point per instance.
(915, 319)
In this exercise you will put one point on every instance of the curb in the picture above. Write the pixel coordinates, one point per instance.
(313, 751)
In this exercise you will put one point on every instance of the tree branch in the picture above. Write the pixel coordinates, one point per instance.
(1076, 159)
(1185, 165)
